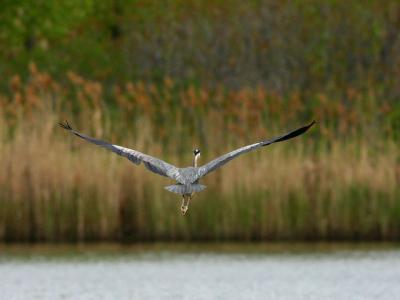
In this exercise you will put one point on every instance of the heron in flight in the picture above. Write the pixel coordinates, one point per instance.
(187, 179)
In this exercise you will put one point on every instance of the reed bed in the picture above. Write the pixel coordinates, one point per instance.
(339, 181)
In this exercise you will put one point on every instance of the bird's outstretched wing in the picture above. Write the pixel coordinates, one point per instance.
(155, 165)
(220, 161)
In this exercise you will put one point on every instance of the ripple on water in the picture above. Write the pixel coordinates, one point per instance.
(179, 275)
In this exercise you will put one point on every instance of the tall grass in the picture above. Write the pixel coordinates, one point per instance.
(339, 181)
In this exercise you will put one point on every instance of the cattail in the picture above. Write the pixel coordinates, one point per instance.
(15, 83)
(44, 81)
(17, 99)
(168, 83)
(33, 69)
(385, 108)
(74, 78)
(31, 97)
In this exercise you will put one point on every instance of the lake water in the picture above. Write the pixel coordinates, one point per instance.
(199, 273)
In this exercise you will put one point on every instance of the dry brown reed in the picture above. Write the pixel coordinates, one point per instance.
(336, 182)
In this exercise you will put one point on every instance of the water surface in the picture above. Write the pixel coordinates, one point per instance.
(198, 272)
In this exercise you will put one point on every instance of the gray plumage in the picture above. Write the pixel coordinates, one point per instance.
(186, 178)
(222, 160)
(153, 164)
(183, 189)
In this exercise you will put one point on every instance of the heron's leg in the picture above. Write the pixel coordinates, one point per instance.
(185, 203)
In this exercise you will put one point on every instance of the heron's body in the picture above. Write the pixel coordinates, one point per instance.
(187, 179)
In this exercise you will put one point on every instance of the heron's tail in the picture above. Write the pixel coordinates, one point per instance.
(185, 189)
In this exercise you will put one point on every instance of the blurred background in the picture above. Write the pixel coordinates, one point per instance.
(317, 217)
(165, 77)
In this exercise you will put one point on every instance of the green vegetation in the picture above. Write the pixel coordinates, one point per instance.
(165, 77)
(286, 46)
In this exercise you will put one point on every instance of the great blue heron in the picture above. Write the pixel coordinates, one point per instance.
(187, 179)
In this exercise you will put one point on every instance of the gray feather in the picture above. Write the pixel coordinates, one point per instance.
(185, 189)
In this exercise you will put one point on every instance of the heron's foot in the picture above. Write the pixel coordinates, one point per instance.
(184, 209)
(185, 204)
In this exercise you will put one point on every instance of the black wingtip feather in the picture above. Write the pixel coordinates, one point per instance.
(295, 133)
(65, 126)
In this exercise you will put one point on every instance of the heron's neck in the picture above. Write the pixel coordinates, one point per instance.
(196, 157)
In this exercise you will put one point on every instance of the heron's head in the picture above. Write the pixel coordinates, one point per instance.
(196, 152)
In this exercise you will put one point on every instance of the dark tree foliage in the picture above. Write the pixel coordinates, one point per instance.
(285, 46)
